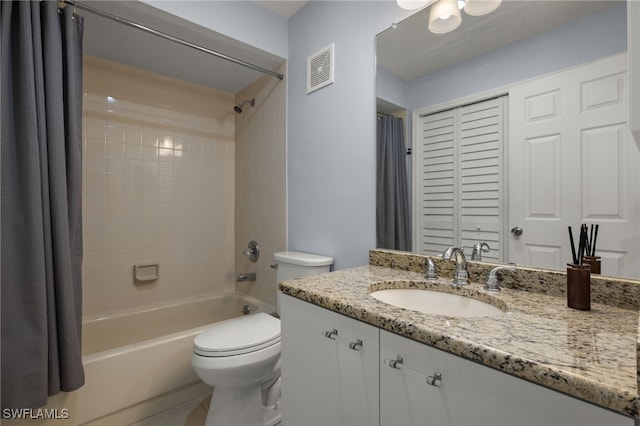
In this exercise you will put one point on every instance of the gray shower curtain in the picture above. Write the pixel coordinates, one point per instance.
(393, 218)
(41, 169)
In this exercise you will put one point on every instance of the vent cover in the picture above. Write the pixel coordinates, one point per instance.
(320, 69)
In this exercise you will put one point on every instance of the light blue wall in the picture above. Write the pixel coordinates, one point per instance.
(583, 40)
(391, 88)
(331, 132)
(241, 20)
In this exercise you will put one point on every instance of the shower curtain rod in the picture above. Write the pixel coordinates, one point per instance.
(173, 39)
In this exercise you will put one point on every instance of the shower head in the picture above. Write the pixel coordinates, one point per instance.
(238, 108)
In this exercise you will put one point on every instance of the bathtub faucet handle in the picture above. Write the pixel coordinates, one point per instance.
(252, 251)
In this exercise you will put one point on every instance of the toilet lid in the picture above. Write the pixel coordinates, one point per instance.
(238, 335)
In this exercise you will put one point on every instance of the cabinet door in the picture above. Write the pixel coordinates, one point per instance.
(325, 380)
(470, 394)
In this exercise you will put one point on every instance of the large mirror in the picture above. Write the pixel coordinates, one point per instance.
(420, 74)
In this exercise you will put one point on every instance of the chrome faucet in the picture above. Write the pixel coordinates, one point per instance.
(492, 280)
(430, 272)
(478, 248)
(460, 274)
(251, 276)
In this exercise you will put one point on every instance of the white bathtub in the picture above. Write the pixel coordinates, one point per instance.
(130, 359)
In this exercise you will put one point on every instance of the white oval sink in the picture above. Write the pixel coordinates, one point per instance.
(435, 302)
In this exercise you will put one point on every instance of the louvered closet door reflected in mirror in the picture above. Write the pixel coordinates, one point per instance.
(459, 179)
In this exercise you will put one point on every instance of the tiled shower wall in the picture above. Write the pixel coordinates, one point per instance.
(260, 184)
(158, 188)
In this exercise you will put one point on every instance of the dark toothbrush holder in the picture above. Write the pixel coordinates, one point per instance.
(579, 287)
(594, 262)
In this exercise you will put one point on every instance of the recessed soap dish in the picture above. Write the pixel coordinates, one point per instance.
(144, 272)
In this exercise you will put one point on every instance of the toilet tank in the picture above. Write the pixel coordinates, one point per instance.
(293, 264)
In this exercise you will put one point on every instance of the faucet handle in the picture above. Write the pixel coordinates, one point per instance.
(478, 249)
(252, 251)
(431, 273)
(492, 280)
(446, 255)
(460, 275)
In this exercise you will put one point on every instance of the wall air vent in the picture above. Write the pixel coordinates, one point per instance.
(320, 69)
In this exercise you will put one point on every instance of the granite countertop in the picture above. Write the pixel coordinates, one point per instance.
(588, 354)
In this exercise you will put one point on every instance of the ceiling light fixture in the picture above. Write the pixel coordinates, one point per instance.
(481, 7)
(412, 4)
(444, 16)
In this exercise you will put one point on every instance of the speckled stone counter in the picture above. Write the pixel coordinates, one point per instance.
(588, 354)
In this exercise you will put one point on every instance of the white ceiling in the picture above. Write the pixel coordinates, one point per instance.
(115, 41)
(411, 51)
(284, 8)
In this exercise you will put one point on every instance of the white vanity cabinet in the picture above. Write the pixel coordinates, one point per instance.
(329, 378)
(329, 367)
(469, 393)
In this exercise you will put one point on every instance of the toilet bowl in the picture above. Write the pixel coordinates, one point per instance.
(240, 357)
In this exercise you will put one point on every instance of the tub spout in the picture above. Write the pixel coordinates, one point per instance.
(251, 276)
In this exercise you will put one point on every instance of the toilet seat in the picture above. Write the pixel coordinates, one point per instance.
(238, 336)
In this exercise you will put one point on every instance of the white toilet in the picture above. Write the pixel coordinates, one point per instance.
(240, 357)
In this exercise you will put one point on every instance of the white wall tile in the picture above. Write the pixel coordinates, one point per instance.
(260, 183)
(151, 187)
